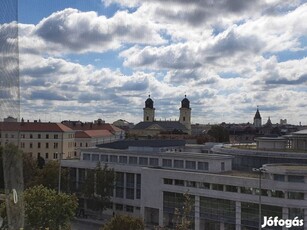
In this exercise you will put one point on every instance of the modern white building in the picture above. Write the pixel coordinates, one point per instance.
(151, 181)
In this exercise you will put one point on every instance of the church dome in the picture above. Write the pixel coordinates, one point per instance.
(185, 103)
(149, 103)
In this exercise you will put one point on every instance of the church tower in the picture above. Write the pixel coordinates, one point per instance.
(257, 119)
(149, 110)
(185, 113)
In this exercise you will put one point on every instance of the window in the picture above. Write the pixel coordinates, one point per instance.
(296, 195)
(119, 207)
(47, 145)
(55, 136)
(178, 164)
(104, 158)
(46, 155)
(167, 163)
(80, 144)
(47, 136)
(138, 186)
(119, 185)
(190, 164)
(223, 166)
(31, 145)
(203, 166)
(86, 156)
(143, 161)
(279, 177)
(153, 161)
(39, 136)
(129, 208)
(39, 145)
(246, 190)
(179, 182)
(31, 136)
(55, 156)
(191, 184)
(95, 157)
(218, 187)
(113, 159)
(299, 179)
(55, 145)
(133, 160)
(22, 145)
(168, 181)
(231, 188)
(130, 186)
(123, 159)
(204, 185)
(183, 118)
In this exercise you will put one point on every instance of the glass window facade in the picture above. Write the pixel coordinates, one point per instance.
(167, 163)
(203, 166)
(143, 161)
(113, 159)
(123, 159)
(133, 160)
(178, 163)
(190, 164)
(153, 161)
(86, 157)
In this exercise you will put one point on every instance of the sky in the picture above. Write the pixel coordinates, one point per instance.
(83, 60)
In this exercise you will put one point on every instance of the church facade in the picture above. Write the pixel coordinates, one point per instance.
(150, 127)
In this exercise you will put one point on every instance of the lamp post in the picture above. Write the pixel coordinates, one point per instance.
(260, 171)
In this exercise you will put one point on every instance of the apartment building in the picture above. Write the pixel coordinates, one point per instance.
(47, 140)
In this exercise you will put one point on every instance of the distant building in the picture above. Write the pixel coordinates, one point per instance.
(123, 124)
(297, 141)
(89, 134)
(43, 139)
(151, 127)
(10, 119)
(257, 119)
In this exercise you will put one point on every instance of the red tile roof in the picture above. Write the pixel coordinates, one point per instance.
(92, 126)
(93, 133)
(34, 127)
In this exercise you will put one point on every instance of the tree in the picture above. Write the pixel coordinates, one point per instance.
(45, 208)
(219, 133)
(123, 222)
(183, 217)
(99, 185)
(30, 170)
(47, 175)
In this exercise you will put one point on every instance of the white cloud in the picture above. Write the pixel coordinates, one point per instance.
(223, 54)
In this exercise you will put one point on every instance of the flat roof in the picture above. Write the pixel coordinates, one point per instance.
(195, 155)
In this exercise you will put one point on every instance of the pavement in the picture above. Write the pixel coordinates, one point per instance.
(89, 224)
(85, 224)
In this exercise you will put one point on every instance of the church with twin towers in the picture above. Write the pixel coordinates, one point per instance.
(152, 127)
